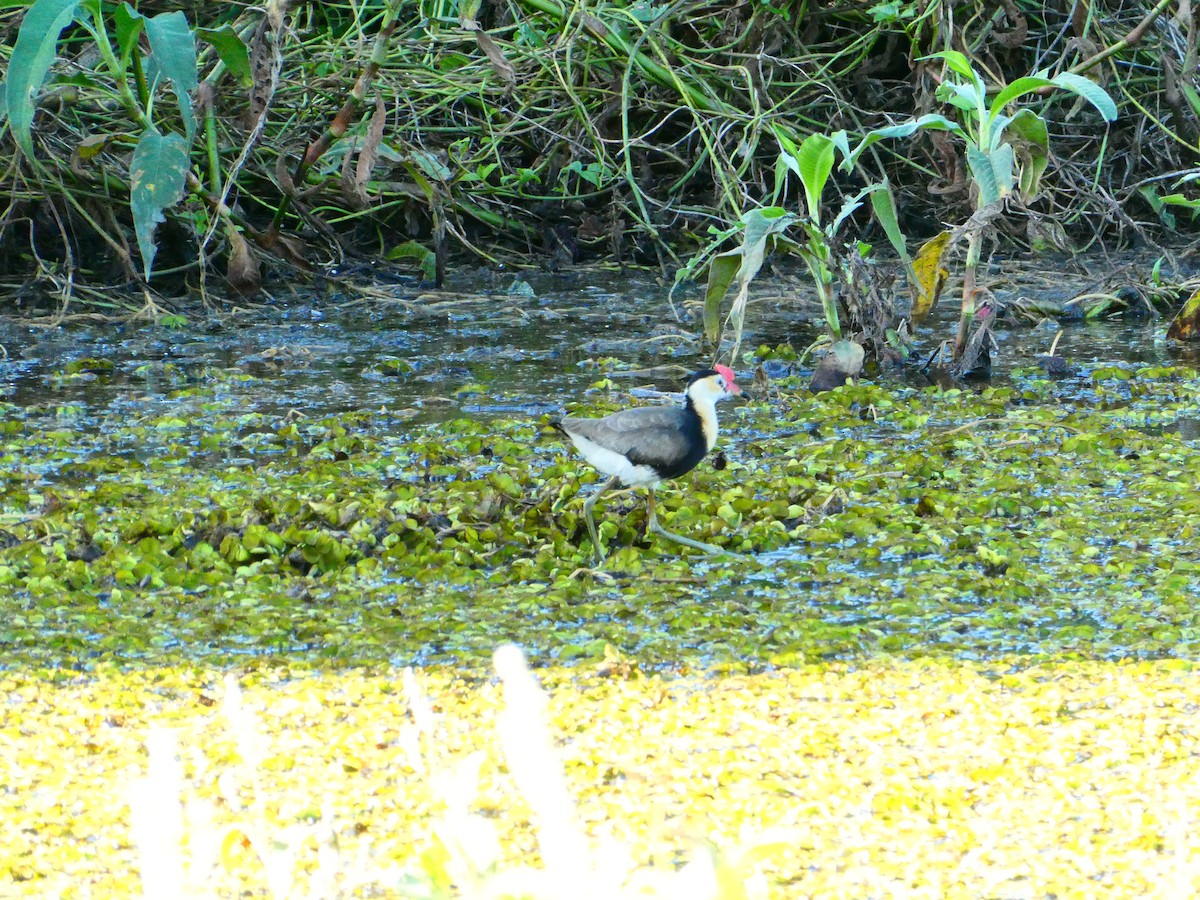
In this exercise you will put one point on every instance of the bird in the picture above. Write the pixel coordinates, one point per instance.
(644, 446)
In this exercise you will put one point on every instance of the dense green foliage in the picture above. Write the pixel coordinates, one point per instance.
(528, 126)
(932, 522)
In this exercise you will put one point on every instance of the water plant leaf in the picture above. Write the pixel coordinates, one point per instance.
(174, 50)
(130, 24)
(814, 162)
(933, 121)
(230, 48)
(1186, 326)
(1033, 149)
(883, 203)
(1076, 84)
(1089, 91)
(32, 56)
(930, 275)
(157, 174)
(992, 171)
(958, 62)
(424, 257)
(761, 224)
(721, 272)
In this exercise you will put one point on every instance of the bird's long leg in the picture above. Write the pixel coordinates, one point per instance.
(597, 553)
(654, 527)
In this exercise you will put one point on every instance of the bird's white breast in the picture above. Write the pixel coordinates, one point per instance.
(612, 463)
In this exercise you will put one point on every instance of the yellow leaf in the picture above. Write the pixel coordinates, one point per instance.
(931, 275)
(1186, 326)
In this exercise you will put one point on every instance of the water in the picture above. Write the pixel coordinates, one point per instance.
(521, 348)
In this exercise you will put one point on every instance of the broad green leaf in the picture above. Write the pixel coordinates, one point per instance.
(992, 172)
(424, 257)
(1186, 326)
(932, 121)
(815, 159)
(174, 51)
(1033, 150)
(1150, 194)
(760, 224)
(32, 56)
(958, 62)
(930, 275)
(883, 202)
(1183, 200)
(962, 96)
(841, 141)
(785, 138)
(157, 175)
(1027, 85)
(230, 48)
(721, 272)
(129, 23)
(1089, 91)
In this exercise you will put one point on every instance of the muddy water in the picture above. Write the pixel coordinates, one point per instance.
(517, 348)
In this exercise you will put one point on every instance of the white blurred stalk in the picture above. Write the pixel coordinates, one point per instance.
(538, 773)
(156, 814)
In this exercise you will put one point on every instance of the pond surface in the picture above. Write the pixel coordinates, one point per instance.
(372, 483)
(523, 344)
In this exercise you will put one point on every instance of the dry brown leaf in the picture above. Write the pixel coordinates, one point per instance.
(1186, 326)
(243, 273)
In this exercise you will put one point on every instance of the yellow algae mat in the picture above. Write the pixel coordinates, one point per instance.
(883, 778)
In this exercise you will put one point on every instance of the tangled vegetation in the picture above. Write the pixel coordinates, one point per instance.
(157, 146)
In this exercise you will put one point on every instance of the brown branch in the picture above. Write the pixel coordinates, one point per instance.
(1134, 37)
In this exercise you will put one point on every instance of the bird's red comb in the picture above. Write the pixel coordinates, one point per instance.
(730, 378)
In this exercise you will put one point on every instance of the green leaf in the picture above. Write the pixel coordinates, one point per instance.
(815, 162)
(1089, 91)
(230, 48)
(849, 206)
(1027, 85)
(129, 23)
(992, 172)
(174, 51)
(1033, 149)
(841, 141)
(721, 272)
(32, 56)
(958, 62)
(760, 224)
(157, 175)
(932, 121)
(962, 96)
(883, 203)
(1182, 200)
(424, 257)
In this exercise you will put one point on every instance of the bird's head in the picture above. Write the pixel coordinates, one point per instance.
(713, 384)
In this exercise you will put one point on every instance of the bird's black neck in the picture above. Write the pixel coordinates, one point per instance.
(706, 418)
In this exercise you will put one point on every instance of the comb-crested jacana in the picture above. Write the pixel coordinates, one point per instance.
(644, 446)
